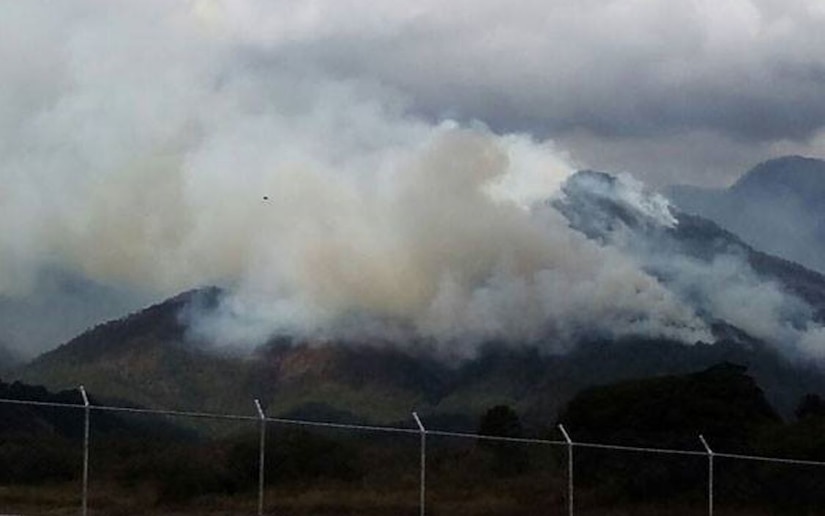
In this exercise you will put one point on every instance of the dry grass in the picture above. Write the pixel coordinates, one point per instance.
(51, 500)
(457, 486)
(335, 499)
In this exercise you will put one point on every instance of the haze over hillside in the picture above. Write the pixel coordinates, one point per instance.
(59, 306)
(777, 207)
(757, 310)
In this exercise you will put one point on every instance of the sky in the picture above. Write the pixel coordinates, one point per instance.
(326, 159)
(693, 92)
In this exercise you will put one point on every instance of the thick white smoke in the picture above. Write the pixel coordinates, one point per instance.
(715, 279)
(433, 252)
(730, 290)
(142, 146)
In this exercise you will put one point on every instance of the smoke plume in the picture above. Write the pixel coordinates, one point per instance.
(152, 147)
(706, 270)
(143, 147)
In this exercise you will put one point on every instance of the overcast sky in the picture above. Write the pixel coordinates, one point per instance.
(692, 91)
(687, 91)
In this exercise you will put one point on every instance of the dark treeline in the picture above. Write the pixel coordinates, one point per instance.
(41, 446)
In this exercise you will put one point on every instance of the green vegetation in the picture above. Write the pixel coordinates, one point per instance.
(156, 468)
(508, 458)
(147, 359)
(725, 405)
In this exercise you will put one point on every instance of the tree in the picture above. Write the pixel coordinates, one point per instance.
(508, 458)
(500, 421)
(811, 405)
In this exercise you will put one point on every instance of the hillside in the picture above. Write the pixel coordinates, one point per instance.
(146, 359)
(57, 305)
(758, 310)
(601, 213)
(143, 358)
(728, 408)
(722, 402)
(40, 444)
(776, 207)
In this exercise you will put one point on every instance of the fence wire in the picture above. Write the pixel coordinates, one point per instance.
(568, 442)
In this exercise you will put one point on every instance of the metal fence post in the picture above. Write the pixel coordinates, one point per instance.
(710, 474)
(423, 484)
(261, 458)
(85, 496)
(569, 469)
(422, 431)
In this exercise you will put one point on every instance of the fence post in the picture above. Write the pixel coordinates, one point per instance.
(85, 496)
(423, 482)
(261, 457)
(710, 474)
(569, 469)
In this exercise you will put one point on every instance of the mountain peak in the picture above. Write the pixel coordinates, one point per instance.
(164, 321)
(797, 175)
(597, 203)
(777, 207)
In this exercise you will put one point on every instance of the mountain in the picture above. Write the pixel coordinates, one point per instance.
(146, 359)
(597, 204)
(761, 311)
(56, 306)
(761, 302)
(778, 207)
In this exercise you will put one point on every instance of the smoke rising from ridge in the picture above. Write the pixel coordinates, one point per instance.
(150, 148)
(144, 147)
(701, 265)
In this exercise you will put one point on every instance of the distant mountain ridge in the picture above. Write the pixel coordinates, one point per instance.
(8, 359)
(789, 176)
(55, 307)
(777, 207)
